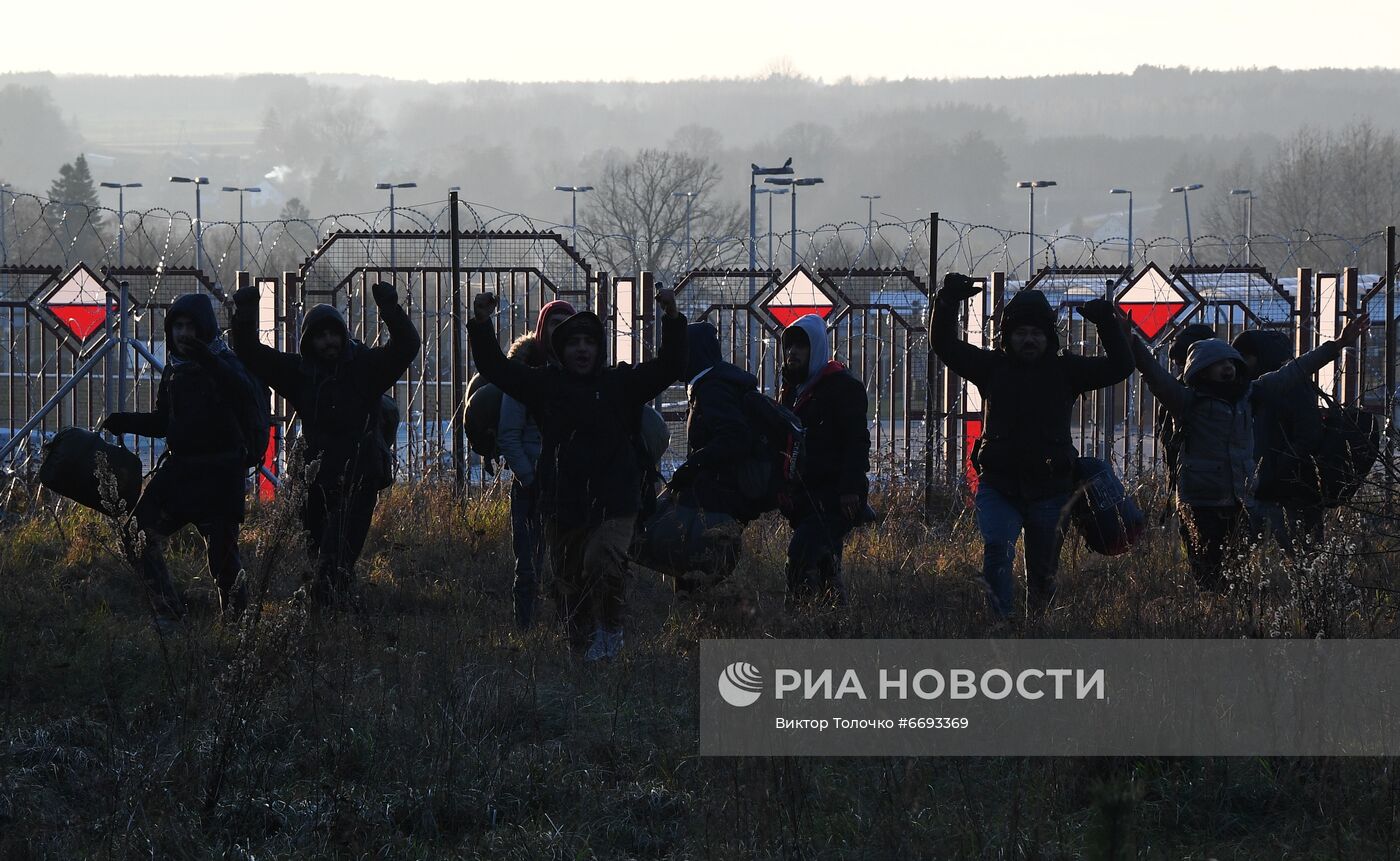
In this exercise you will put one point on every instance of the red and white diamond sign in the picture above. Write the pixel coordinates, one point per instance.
(80, 302)
(1156, 303)
(798, 296)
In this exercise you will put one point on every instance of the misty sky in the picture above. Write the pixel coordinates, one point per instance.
(548, 40)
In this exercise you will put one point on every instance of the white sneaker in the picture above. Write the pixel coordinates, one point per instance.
(606, 645)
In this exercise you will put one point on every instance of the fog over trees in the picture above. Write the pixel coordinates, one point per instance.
(1318, 148)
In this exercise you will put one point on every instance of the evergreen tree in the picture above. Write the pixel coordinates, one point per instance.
(74, 218)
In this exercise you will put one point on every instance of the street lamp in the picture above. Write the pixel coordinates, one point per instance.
(197, 181)
(1032, 185)
(770, 192)
(574, 191)
(794, 184)
(870, 221)
(389, 187)
(754, 172)
(1249, 199)
(1185, 192)
(121, 188)
(1129, 193)
(688, 195)
(253, 189)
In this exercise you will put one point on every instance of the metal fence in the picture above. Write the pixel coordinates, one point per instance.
(61, 299)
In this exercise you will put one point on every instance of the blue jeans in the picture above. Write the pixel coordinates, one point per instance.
(1002, 519)
(529, 550)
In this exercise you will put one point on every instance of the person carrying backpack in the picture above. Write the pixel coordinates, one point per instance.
(518, 439)
(829, 496)
(336, 385)
(203, 402)
(1025, 457)
(590, 471)
(1162, 424)
(1213, 406)
(1287, 435)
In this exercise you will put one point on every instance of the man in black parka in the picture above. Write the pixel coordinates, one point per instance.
(720, 445)
(829, 498)
(336, 385)
(1025, 457)
(1288, 432)
(203, 394)
(590, 467)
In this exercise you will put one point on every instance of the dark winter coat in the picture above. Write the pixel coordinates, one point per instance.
(1215, 462)
(1026, 450)
(719, 441)
(1287, 423)
(338, 403)
(197, 410)
(590, 466)
(832, 406)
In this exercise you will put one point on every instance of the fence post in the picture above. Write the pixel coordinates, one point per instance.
(459, 448)
(1303, 305)
(123, 333)
(1355, 359)
(1389, 357)
(930, 378)
(646, 287)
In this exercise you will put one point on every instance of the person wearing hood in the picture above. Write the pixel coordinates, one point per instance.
(1162, 424)
(591, 463)
(1025, 456)
(335, 385)
(518, 439)
(1213, 405)
(1288, 432)
(832, 486)
(203, 392)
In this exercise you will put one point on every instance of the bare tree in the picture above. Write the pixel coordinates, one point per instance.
(636, 217)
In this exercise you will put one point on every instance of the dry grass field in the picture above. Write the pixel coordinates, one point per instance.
(420, 725)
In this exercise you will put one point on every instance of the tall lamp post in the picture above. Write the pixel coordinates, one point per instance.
(1185, 192)
(390, 187)
(252, 189)
(754, 172)
(689, 196)
(574, 191)
(771, 192)
(196, 181)
(870, 222)
(1031, 185)
(1249, 199)
(794, 184)
(1129, 193)
(121, 188)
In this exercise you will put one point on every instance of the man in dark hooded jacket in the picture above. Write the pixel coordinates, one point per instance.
(1164, 424)
(720, 446)
(830, 497)
(1287, 435)
(590, 466)
(204, 393)
(1025, 457)
(335, 384)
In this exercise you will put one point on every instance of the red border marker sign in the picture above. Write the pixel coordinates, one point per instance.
(798, 296)
(80, 302)
(1156, 302)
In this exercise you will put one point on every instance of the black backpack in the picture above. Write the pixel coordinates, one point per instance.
(254, 418)
(1351, 443)
(386, 439)
(780, 446)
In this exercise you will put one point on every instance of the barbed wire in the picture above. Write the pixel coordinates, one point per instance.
(37, 231)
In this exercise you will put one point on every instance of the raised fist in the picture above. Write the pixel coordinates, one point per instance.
(385, 293)
(666, 301)
(1100, 312)
(957, 288)
(484, 305)
(247, 295)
